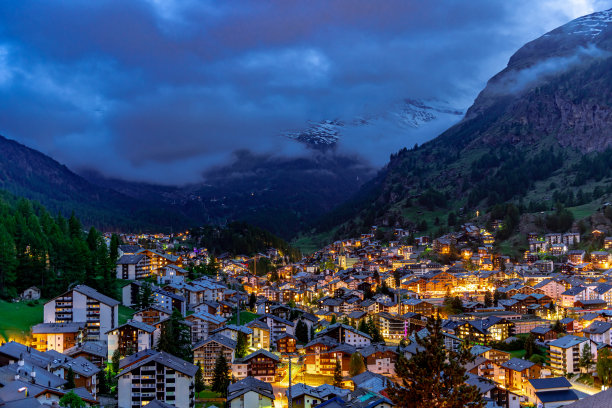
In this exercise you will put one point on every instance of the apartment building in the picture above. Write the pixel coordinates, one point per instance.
(100, 313)
(206, 352)
(565, 353)
(156, 375)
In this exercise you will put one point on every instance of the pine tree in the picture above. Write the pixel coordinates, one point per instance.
(301, 331)
(8, 264)
(338, 375)
(70, 379)
(221, 379)
(115, 361)
(488, 300)
(604, 366)
(175, 337)
(242, 347)
(199, 379)
(435, 377)
(530, 346)
(146, 296)
(333, 319)
(103, 382)
(586, 358)
(114, 248)
(71, 400)
(252, 301)
(356, 365)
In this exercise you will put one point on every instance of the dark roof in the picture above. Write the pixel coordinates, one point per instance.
(219, 338)
(547, 383)
(241, 387)
(599, 400)
(136, 324)
(94, 294)
(89, 347)
(598, 327)
(518, 364)
(57, 327)
(167, 360)
(130, 259)
(557, 396)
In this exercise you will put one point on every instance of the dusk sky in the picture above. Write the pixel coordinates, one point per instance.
(160, 90)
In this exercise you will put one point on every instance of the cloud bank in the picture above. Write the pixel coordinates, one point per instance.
(161, 90)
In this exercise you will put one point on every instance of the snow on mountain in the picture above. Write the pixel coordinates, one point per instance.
(407, 115)
(591, 25)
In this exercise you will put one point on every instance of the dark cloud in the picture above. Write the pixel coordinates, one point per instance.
(159, 90)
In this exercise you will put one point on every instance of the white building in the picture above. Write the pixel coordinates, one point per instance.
(84, 304)
(156, 375)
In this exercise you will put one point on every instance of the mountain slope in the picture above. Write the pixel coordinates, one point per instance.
(279, 194)
(28, 173)
(538, 133)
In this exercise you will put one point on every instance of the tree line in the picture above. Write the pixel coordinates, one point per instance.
(51, 253)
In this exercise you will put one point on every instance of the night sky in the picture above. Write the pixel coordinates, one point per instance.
(160, 90)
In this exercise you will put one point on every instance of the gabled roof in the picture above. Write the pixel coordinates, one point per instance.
(241, 387)
(345, 327)
(165, 359)
(597, 327)
(218, 338)
(92, 293)
(262, 352)
(137, 325)
(518, 364)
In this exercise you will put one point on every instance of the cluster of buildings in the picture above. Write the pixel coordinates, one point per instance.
(353, 296)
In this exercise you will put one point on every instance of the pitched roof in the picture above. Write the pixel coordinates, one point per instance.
(94, 294)
(218, 338)
(167, 360)
(241, 387)
(518, 364)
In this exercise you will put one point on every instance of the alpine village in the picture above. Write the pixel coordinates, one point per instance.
(474, 270)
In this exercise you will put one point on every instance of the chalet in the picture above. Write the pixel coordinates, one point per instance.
(544, 333)
(131, 337)
(572, 295)
(250, 392)
(306, 396)
(345, 334)
(286, 344)
(601, 259)
(203, 324)
(518, 372)
(94, 351)
(31, 293)
(599, 332)
(152, 315)
(318, 360)
(260, 364)
(380, 359)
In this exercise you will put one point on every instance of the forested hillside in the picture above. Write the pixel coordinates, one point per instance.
(50, 252)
